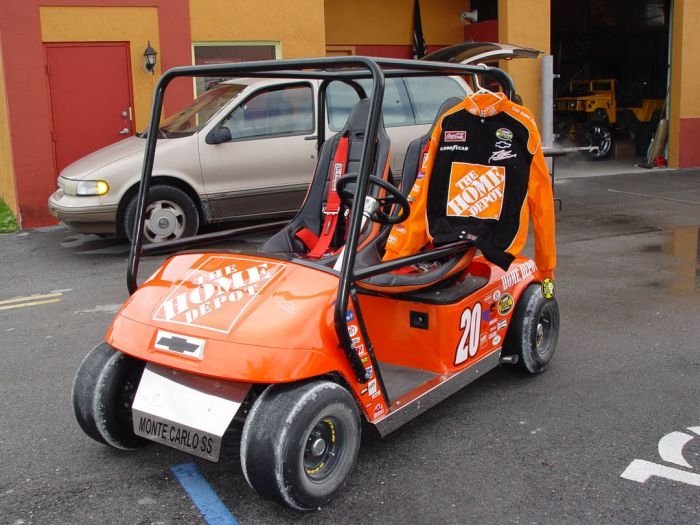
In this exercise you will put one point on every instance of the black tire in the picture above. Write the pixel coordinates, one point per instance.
(103, 392)
(597, 133)
(170, 214)
(300, 443)
(533, 331)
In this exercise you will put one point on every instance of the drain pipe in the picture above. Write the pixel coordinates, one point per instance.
(547, 129)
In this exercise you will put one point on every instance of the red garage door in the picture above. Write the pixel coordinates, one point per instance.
(91, 99)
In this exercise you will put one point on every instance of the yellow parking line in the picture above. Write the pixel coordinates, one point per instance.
(32, 298)
(33, 303)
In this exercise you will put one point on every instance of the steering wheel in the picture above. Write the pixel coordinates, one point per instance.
(394, 197)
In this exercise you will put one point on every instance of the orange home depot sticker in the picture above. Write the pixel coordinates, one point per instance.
(476, 191)
(215, 293)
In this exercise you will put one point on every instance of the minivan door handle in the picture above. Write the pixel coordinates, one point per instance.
(124, 131)
(311, 137)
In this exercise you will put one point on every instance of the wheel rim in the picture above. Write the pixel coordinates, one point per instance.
(165, 221)
(543, 332)
(599, 135)
(322, 449)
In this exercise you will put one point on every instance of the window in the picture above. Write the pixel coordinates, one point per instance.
(428, 93)
(227, 53)
(193, 117)
(407, 102)
(282, 111)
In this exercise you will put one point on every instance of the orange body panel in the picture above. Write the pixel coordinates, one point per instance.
(264, 320)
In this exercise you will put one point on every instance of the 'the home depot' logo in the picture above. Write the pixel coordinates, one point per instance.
(215, 293)
(476, 191)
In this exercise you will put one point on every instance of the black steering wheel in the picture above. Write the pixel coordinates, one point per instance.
(385, 203)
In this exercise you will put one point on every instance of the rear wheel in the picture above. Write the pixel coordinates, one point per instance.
(300, 443)
(533, 331)
(170, 215)
(103, 392)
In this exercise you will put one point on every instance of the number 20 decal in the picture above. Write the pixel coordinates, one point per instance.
(470, 324)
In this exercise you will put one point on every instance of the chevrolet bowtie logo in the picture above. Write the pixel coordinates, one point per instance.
(177, 344)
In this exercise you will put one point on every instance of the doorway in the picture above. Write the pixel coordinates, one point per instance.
(91, 97)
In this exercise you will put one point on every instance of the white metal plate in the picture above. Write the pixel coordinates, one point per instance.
(184, 411)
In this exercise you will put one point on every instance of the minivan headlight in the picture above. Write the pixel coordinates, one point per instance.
(92, 187)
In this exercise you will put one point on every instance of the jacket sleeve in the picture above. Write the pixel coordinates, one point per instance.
(540, 201)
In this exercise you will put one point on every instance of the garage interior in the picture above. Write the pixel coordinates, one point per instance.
(623, 40)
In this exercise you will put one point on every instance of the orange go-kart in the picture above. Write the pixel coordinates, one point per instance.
(305, 339)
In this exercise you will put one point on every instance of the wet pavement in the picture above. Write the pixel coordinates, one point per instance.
(621, 396)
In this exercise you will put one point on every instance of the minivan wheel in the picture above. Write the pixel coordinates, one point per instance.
(170, 215)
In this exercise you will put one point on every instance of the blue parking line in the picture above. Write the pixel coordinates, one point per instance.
(209, 504)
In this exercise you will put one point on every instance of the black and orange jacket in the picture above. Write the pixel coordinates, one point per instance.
(482, 176)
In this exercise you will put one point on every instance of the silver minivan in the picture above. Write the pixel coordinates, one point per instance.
(244, 149)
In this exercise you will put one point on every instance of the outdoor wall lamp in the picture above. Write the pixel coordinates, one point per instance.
(150, 56)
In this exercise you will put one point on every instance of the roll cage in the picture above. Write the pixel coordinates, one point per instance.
(344, 69)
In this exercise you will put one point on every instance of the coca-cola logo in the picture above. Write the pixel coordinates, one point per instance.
(455, 136)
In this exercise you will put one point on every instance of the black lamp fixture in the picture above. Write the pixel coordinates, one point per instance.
(150, 56)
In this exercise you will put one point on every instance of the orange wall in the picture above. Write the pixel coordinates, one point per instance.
(298, 26)
(390, 22)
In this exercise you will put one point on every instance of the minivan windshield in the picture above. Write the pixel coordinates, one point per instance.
(193, 117)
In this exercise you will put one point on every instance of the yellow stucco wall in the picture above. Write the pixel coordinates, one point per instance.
(298, 26)
(391, 22)
(136, 25)
(7, 174)
(685, 70)
(526, 24)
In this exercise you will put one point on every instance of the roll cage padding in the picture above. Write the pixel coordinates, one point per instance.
(310, 217)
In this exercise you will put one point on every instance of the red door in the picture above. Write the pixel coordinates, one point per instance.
(91, 100)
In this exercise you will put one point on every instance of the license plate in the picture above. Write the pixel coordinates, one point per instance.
(184, 411)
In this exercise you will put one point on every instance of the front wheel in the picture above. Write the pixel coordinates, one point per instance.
(300, 443)
(599, 134)
(533, 331)
(103, 392)
(170, 215)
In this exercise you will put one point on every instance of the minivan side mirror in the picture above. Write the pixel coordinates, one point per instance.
(218, 135)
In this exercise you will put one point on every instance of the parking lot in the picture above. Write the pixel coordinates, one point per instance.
(609, 434)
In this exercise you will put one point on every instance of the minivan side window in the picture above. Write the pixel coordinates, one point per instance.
(274, 112)
(428, 93)
(396, 108)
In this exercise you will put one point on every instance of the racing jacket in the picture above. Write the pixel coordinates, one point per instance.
(482, 176)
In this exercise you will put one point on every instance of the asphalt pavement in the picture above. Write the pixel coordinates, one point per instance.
(610, 433)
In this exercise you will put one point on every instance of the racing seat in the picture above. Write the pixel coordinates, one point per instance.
(319, 228)
(428, 275)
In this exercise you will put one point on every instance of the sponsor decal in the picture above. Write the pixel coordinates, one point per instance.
(424, 162)
(378, 409)
(337, 173)
(497, 339)
(486, 315)
(505, 304)
(370, 371)
(372, 387)
(548, 288)
(352, 330)
(364, 359)
(505, 154)
(504, 134)
(454, 147)
(360, 349)
(349, 316)
(363, 391)
(484, 338)
(496, 295)
(475, 190)
(517, 274)
(179, 344)
(455, 136)
(502, 324)
(215, 293)
(421, 174)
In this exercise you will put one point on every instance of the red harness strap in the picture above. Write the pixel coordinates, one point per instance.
(330, 211)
